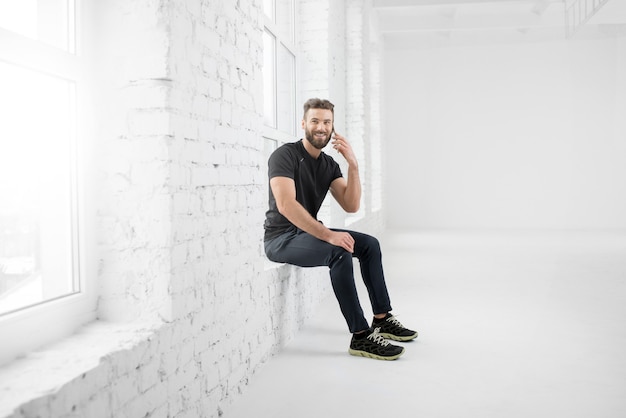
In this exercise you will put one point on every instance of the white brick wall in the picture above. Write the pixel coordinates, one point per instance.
(189, 308)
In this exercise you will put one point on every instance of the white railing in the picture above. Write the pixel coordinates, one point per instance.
(579, 12)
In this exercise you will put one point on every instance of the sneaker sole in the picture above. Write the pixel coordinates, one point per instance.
(374, 356)
(398, 338)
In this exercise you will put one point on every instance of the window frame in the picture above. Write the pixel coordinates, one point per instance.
(273, 134)
(32, 327)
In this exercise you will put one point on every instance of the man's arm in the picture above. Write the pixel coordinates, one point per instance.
(347, 192)
(284, 190)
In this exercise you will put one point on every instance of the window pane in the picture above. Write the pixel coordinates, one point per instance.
(286, 91)
(49, 21)
(268, 8)
(285, 20)
(269, 79)
(36, 188)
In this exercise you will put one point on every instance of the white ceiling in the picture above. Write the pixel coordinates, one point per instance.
(415, 23)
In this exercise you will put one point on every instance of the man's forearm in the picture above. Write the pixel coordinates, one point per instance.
(352, 194)
(298, 215)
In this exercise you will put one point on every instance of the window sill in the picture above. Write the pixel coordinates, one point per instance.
(269, 265)
(45, 371)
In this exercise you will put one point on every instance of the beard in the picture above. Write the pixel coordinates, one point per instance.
(318, 143)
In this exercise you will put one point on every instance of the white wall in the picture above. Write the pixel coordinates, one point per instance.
(189, 309)
(526, 135)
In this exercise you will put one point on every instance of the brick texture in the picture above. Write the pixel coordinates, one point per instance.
(189, 308)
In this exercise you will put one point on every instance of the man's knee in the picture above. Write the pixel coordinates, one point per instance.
(371, 244)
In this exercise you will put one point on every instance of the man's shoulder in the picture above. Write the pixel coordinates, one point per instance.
(284, 159)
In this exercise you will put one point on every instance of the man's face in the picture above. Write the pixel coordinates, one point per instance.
(318, 126)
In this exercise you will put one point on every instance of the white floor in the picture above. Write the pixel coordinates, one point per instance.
(518, 325)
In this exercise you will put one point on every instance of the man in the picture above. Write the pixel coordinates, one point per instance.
(300, 176)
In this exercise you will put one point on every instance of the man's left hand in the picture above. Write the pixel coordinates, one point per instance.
(343, 147)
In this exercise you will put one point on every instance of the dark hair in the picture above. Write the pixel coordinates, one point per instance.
(318, 104)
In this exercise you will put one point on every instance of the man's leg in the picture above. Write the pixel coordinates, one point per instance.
(367, 250)
(304, 250)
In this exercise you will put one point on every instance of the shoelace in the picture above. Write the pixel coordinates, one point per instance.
(395, 322)
(377, 338)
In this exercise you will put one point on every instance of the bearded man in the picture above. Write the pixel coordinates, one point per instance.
(300, 176)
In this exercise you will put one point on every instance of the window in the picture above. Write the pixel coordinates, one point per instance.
(48, 21)
(279, 70)
(41, 82)
(375, 146)
(279, 75)
(37, 185)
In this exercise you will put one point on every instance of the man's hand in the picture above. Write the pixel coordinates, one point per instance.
(343, 240)
(343, 147)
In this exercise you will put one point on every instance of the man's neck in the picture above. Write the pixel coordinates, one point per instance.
(313, 152)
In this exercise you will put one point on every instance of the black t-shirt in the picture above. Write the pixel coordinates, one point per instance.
(312, 178)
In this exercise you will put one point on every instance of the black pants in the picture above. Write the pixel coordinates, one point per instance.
(304, 250)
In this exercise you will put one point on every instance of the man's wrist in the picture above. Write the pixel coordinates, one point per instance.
(325, 233)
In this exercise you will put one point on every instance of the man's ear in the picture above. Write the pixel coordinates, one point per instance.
(303, 123)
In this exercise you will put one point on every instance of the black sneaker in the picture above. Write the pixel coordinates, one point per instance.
(375, 346)
(392, 329)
